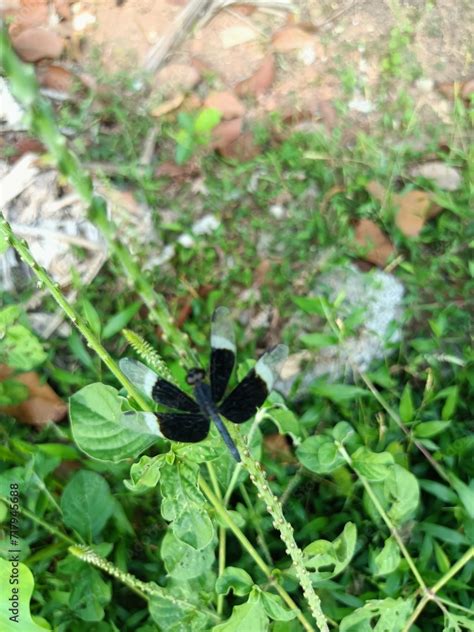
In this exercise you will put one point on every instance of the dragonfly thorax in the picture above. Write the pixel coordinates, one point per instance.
(195, 376)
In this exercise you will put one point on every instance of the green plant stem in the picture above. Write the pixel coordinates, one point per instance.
(40, 120)
(430, 593)
(274, 508)
(393, 530)
(45, 281)
(401, 425)
(222, 535)
(145, 590)
(247, 545)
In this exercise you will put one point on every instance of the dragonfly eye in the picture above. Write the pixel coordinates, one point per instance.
(195, 376)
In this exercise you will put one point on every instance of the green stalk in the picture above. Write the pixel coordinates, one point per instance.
(45, 281)
(393, 530)
(247, 545)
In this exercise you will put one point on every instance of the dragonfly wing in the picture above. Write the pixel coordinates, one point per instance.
(243, 402)
(222, 352)
(156, 387)
(185, 427)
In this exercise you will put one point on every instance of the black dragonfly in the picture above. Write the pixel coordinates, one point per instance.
(190, 418)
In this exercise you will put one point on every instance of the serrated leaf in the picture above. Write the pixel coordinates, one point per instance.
(102, 430)
(236, 579)
(374, 466)
(18, 586)
(87, 504)
(319, 454)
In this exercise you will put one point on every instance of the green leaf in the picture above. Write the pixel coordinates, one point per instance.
(276, 608)
(309, 304)
(178, 609)
(337, 554)
(236, 579)
(102, 430)
(450, 536)
(406, 408)
(92, 317)
(451, 402)
(390, 616)
(319, 454)
(442, 560)
(248, 616)
(16, 588)
(318, 340)
(183, 562)
(87, 504)
(183, 503)
(429, 429)
(21, 349)
(388, 559)
(343, 432)
(13, 392)
(286, 421)
(338, 392)
(90, 593)
(145, 474)
(465, 493)
(402, 492)
(4, 245)
(120, 320)
(206, 120)
(374, 466)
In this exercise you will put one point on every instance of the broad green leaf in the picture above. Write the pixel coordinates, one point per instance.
(120, 320)
(89, 594)
(337, 554)
(388, 559)
(183, 561)
(8, 315)
(318, 340)
(102, 430)
(248, 616)
(338, 392)
(374, 466)
(183, 505)
(379, 615)
(16, 588)
(145, 474)
(319, 454)
(465, 493)
(236, 579)
(429, 429)
(406, 408)
(87, 504)
(402, 493)
(286, 422)
(342, 431)
(276, 608)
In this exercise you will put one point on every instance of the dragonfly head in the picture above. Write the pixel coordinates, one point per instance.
(195, 376)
